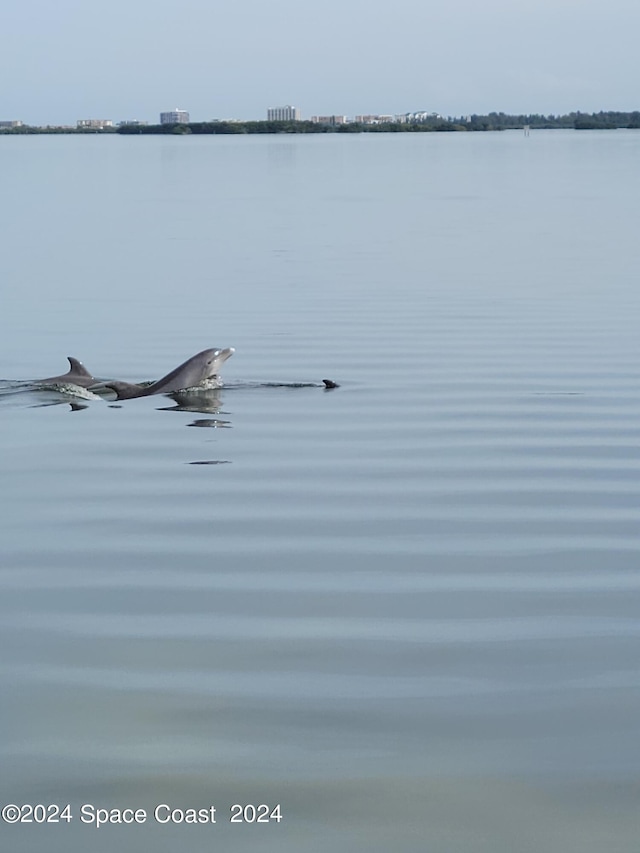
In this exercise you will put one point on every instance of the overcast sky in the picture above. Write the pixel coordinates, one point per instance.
(62, 60)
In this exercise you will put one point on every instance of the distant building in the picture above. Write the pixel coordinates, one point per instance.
(94, 123)
(287, 113)
(417, 117)
(374, 119)
(175, 117)
(11, 124)
(332, 120)
(132, 122)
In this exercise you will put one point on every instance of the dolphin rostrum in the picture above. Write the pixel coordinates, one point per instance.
(195, 371)
(77, 375)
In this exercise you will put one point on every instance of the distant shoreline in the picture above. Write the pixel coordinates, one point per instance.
(433, 124)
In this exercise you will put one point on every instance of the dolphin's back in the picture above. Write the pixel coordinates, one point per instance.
(128, 390)
(180, 377)
(174, 381)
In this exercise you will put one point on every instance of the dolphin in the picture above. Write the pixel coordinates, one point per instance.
(194, 371)
(77, 375)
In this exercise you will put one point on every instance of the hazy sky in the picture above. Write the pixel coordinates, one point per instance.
(62, 60)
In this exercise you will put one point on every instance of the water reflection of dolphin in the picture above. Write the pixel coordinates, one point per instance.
(200, 368)
(197, 401)
(76, 375)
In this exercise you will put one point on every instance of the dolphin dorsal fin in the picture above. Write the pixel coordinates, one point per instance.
(78, 367)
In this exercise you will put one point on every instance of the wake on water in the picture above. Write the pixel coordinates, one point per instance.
(202, 395)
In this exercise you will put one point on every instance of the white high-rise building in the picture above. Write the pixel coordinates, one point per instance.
(175, 117)
(287, 113)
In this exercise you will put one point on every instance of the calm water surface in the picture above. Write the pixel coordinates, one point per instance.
(405, 609)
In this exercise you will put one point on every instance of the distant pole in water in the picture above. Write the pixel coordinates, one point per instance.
(526, 129)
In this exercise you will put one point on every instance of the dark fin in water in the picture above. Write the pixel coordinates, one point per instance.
(329, 383)
(126, 390)
(78, 368)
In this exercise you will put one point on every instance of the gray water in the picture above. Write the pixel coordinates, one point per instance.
(406, 609)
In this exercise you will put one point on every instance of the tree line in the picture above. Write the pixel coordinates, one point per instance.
(493, 121)
(604, 120)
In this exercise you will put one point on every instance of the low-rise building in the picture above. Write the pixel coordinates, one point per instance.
(374, 119)
(9, 124)
(417, 117)
(94, 123)
(332, 120)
